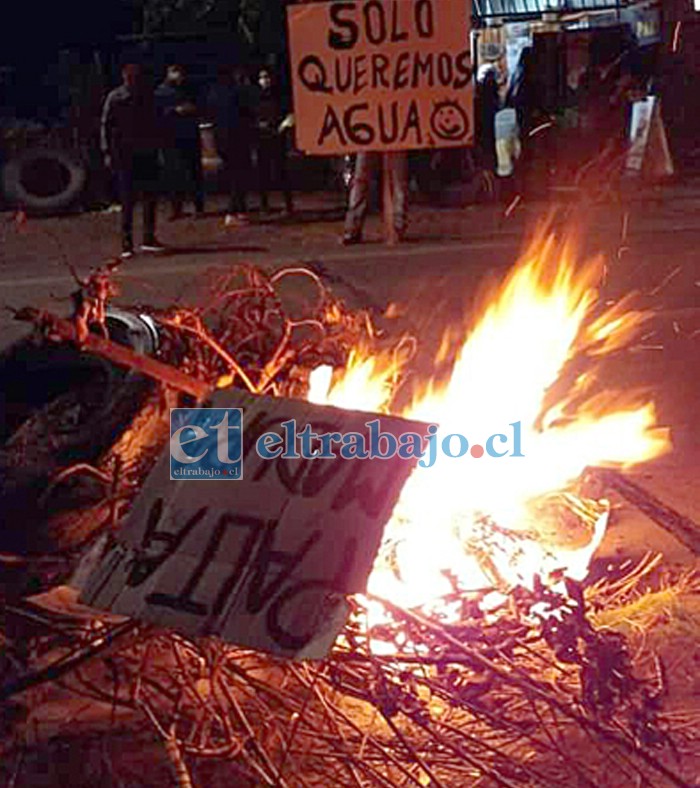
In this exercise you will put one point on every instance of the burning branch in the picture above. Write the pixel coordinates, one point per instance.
(461, 686)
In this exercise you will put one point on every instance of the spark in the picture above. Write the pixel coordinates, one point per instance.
(676, 37)
(513, 205)
(540, 128)
(665, 281)
(625, 225)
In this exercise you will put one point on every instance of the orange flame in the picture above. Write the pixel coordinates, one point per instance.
(538, 321)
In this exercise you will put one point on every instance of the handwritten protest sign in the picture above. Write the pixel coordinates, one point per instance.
(642, 113)
(264, 562)
(381, 75)
(648, 154)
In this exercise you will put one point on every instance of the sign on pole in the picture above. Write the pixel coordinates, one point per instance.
(265, 561)
(381, 75)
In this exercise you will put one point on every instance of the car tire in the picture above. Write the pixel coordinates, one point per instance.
(43, 180)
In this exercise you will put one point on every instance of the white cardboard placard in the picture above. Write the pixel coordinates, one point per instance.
(265, 562)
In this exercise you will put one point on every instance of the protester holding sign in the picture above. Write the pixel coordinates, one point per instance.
(381, 75)
(365, 165)
(379, 78)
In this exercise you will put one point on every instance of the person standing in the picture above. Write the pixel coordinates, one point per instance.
(228, 107)
(358, 201)
(130, 137)
(270, 125)
(182, 154)
(530, 156)
(487, 102)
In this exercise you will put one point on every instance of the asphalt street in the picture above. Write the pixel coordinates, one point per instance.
(651, 247)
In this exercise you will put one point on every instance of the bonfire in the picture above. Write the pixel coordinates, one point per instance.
(481, 653)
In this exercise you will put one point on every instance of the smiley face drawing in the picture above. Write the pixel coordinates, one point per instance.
(449, 121)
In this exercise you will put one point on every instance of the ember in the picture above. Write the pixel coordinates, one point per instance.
(474, 658)
(510, 366)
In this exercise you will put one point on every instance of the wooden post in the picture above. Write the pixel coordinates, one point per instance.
(165, 374)
(388, 199)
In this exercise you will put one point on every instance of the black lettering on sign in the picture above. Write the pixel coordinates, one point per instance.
(380, 64)
(423, 67)
(413, 124)
(184, 601)
(370, 492)
(391, 127)
(345, 37)
(145, 565)
(389, 135)
(375, 22)
(257, 427)
(360, 74)
(320, 474)
(291, 476)
(445, 69)
(425, 18)
(449, 121)
(345, 29)
(252, 433)
(343, 80)
(260, 593)
(359, 132)
(313, 75)
(331, 125)
(401, 71)
(295, 640)
(464, 69)
(396, 33)
(256, 531)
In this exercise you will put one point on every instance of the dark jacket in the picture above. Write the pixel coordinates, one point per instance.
(180, 128)
(228, 106)
(267, 113)
(487, 104)
(523, 92)
(130, 123)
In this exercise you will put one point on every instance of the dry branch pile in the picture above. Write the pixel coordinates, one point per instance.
(532, 693)
(506, 698)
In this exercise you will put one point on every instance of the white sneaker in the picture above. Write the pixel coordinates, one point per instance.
(127, 254)
(236, 220)
(153, 247)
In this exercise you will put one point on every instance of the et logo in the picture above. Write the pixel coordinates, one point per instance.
(206, 444)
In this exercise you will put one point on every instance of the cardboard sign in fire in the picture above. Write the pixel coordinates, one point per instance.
(381, 75)
(265, 562)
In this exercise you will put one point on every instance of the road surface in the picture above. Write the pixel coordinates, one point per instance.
(651, 247)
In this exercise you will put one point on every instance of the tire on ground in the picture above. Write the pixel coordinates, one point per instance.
(43, 179)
